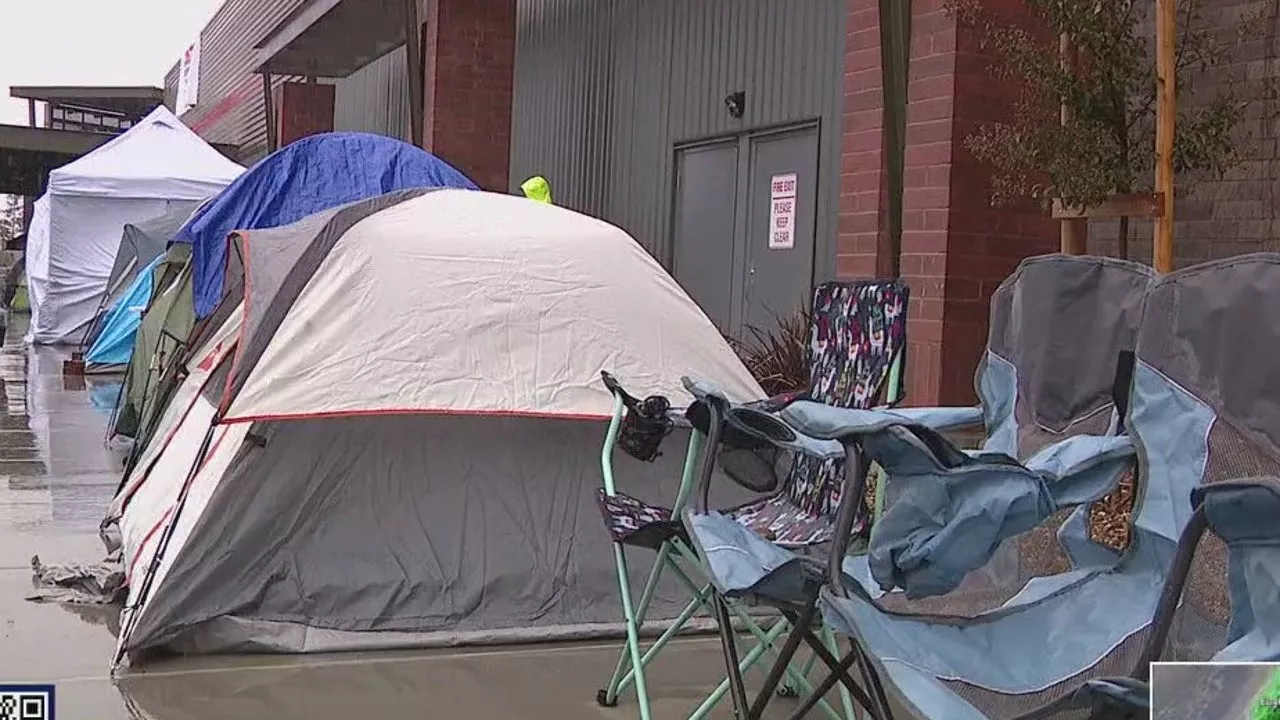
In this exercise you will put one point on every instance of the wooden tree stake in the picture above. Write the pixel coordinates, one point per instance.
(1075, 230)
(1166, 125)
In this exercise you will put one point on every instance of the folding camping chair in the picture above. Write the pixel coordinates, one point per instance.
(1201, 418)
(1032, 395)
(857, 343)
(1217, 411)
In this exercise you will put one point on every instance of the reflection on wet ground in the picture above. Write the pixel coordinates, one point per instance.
(1206, 692)
(56, 479)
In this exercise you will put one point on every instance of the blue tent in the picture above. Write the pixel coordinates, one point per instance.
(114, 345)
(306, 177)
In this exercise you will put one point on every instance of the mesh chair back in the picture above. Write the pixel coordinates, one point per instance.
(1206, 409)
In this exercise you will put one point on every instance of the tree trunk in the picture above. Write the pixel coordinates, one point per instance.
(1122, 239)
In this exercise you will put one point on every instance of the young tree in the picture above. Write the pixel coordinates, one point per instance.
(1107, 147)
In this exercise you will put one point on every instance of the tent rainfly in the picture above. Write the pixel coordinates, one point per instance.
(393, 440)
(140, 245)
(303, 178)
(157, 166)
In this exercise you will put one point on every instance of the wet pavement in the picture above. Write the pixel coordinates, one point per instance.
(56, 479)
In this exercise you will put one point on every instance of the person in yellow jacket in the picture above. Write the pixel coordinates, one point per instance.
(537, 188)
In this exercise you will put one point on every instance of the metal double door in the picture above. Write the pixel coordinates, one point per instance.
(743, 226)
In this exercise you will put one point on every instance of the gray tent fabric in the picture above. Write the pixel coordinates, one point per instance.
(404, 525)
(140, 243)
(458, 528)
(143, 242)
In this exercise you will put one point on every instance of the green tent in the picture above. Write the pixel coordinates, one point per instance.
(162, 334)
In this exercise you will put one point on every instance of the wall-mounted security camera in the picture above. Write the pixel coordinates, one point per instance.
(736, 103)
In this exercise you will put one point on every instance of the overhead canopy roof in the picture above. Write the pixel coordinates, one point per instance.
(132, 101)
(28, 155)
(332, 38)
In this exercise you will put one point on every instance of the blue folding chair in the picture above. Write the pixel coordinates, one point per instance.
(928, 596)
(1195, 580)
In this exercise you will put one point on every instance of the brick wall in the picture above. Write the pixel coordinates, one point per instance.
(1239, 213)
(862, 239)
(301, 110)
(955, 248)
(469, 53)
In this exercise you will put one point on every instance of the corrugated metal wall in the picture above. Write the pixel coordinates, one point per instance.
(375, 99)
(231, 108)
(605, 89)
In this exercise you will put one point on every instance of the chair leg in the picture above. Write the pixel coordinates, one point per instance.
(800, 627)
(840, 673)
(840, 670)
(789, 688)
(623, 672)
(763, 644)
(846, 700)
(699, 602)
(633, 631)
(737, 690)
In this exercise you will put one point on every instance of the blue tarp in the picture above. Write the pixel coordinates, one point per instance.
(114, 345)
(306, 177)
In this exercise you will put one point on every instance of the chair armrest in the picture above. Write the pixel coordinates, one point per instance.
(941, 419)
(1238, 511)
(749, 425)
(953, 510)
(827, 422)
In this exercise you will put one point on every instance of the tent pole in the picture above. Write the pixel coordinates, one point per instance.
(1166, 119)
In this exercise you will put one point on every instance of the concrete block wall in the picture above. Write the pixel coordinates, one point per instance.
(1240, 212)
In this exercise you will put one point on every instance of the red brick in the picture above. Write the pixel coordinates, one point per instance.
(469, 51)
(302, 109)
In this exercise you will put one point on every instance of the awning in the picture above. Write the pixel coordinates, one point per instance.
(28, 155)
(332, 38)
(128, 101)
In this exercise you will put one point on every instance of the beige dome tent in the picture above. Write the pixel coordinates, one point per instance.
(393, 439)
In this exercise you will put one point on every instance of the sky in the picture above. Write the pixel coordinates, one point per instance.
(93, 42)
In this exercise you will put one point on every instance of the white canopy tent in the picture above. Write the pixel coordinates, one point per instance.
(393, 439)
(77, 225)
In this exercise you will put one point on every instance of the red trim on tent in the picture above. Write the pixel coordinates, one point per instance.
(128, 575)
(213, 449)
(413, 411)
(124, 503)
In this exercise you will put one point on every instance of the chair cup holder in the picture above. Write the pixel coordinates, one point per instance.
(644, 427)
(765, 426)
